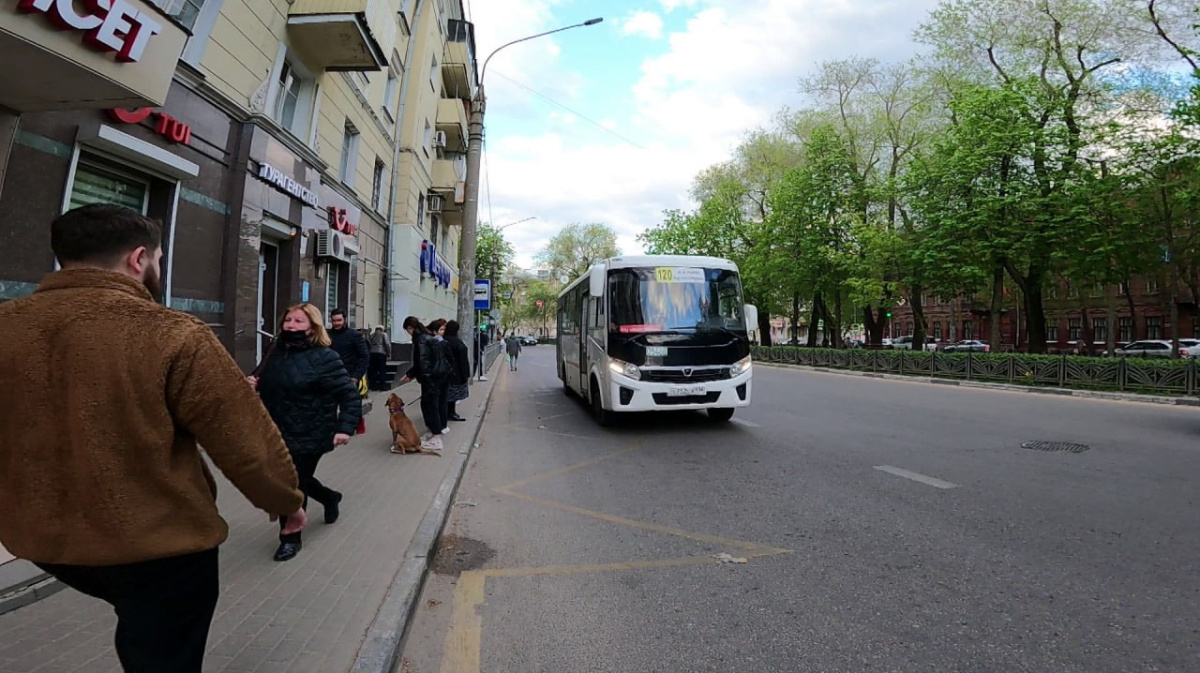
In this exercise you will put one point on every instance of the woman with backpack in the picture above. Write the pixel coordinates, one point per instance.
(431, 368)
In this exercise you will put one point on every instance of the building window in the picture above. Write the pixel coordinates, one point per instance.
(1072, 292)
(1152, 288)
(377, 185)
(1051, 292)
(1125, 327)
(97, 185)
(184, 12)
(1122, 289)
(1074, 329)
(1052, 332)
(389, 93)
(435, 227)
(293, 98)
(349, 164)
(910, 329)
(1154, 327)
(1195, 327)
(331, 289)
(1100, 330)
(1098, 290)
(968, 329)
(937, 330)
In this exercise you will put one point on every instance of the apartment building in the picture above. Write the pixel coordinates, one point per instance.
(286, 146)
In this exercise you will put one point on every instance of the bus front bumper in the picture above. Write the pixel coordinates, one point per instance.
(626, 394)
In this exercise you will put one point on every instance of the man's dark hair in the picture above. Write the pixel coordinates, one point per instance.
(101, 233)
(337, 311)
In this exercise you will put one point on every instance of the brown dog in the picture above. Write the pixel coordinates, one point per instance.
(405, 438)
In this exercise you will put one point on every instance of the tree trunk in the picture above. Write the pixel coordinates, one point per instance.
(1086, 335)
(816, 313)
(1035, 317)
(764, 328)
(834, 323)
(875, 325)
(996, 307)
(1110, 343)
(1133, 335)
(915, 298)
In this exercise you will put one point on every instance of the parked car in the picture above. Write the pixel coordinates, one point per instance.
(1158, 348)
(968, 346)
(528, 340)
(905, 343)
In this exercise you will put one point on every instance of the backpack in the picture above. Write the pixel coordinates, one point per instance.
(438, 359)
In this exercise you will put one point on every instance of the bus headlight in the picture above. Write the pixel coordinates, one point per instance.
(624, 369)
(740, 367)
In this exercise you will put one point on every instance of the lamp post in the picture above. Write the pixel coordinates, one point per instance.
(470, 237)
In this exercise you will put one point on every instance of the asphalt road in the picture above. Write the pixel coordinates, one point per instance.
(575, 549)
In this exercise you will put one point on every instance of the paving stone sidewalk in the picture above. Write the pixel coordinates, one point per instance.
(308, 615)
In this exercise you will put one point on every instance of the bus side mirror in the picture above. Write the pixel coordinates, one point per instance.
(596, 281)
(751, 317)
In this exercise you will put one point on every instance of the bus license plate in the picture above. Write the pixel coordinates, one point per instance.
(656, 351)
(685, 391)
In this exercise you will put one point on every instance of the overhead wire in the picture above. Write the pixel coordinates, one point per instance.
(574, 112)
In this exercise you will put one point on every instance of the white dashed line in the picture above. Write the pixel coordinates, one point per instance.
(748, 424)
(928, 481)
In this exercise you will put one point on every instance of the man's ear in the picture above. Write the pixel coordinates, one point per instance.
(137, 260)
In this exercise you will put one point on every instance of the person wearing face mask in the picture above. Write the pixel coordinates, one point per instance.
(305, 388)
(106, 394)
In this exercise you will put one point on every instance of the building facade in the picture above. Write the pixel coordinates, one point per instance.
(284, 147)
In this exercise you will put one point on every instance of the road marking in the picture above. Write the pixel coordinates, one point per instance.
(928, 481)
(464, 643)
(748, 424)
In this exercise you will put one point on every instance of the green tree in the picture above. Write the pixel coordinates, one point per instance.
(577, 247)
(494, 252)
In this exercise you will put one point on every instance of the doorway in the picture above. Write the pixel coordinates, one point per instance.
(268, 295)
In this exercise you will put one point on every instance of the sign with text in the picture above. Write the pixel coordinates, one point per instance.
(287, 185)
(112, 25)
(165, 125)
(672, 274)
(483, 295)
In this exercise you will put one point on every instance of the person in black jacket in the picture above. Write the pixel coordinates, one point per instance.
(431, 368)
(461, 375)
(306, 390)
(349, 344)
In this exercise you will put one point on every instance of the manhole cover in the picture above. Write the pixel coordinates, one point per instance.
(1059, 447)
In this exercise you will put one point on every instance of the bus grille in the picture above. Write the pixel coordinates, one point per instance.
(677, 375)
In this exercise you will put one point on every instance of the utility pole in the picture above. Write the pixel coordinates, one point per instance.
(470, 226)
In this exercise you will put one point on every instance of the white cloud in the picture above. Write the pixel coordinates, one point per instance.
(645, 24)
(730, 68)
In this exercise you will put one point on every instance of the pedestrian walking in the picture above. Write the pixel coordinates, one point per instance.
(349, 344)
(513, 345)
(380, 349)
(305, 388)
(106, 394)
(460, 376)
(431, 368)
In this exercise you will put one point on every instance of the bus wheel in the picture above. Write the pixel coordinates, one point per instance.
(603, 418)
(720, 414)
(566, 386)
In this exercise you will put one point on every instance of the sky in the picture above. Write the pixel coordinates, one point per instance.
(611, 123)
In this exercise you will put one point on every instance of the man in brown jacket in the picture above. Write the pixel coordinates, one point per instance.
(105, 394)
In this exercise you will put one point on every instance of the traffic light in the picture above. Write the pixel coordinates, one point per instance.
(889, 314)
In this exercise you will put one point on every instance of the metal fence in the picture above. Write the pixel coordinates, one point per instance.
(490, 354)
(1063, 371)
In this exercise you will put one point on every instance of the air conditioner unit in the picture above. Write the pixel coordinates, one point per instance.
(436, 201)
(330, 246)
(439, 139)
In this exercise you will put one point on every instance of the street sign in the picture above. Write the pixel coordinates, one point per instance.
(494, 314)
(483, 295)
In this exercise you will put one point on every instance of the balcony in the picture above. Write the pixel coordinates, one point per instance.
(448, 173)
(452, 120)
(343, 35)
(458, 63)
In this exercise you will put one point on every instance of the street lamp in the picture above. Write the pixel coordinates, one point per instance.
(470, 236)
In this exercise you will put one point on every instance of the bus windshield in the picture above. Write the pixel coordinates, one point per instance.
(669, 299)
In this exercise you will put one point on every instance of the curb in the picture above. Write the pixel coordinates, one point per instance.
(380, 651)
(23, 584)
(1061, 392)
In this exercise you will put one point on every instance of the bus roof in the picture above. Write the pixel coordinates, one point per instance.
(643, 261)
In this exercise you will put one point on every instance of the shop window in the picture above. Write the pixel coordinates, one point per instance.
(331, 290)
(294, 95)
(1100, 330)
(349, 162)
(94, 184)
(1125, 326)
(1074, 329)
(1154, 327)
(377, 184)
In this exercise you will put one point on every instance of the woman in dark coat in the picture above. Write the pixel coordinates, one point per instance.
(431, 368)
(460, 359)
(308, 393)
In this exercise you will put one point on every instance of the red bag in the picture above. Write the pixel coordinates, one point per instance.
(362, 426)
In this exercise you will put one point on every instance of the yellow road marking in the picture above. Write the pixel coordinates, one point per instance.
(464, 641)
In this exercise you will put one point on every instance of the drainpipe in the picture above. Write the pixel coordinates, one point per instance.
(390, 254)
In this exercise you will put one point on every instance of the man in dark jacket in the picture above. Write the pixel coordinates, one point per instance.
(350, 345)
(101, 480)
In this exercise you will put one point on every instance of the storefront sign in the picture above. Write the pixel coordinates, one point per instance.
(339, 222)
(286, 184)
(433, 265)
(110, 25)
(167, 126)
